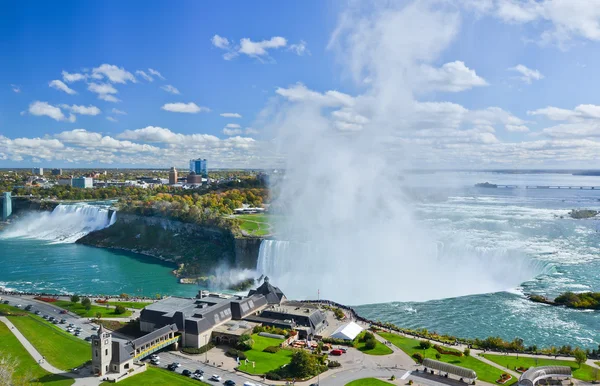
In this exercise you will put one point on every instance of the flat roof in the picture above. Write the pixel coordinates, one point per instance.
(238, 327)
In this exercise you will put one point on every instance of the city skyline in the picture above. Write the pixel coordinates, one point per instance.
(471, 84)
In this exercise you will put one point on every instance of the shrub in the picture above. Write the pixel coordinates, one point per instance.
(273, 376)
(438, 356)
(333, 364)
(367, 336)
(233, 353)
(201, 350)
(271, 349)
(425, 344)
(120, 310)
(339, 342)
(370, 344)
(418, 357)
(410, 381)
(467, 352)
(74, 299)
(446, 351)
(245, 343)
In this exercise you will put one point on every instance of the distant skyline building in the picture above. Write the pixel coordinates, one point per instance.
(37, 171)
(194, 179)
(57, 172)
(6, 205)
(172, 176)
(82, 182)
(198, 166)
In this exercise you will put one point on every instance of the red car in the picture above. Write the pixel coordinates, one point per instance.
(63, 311)
(336, 352)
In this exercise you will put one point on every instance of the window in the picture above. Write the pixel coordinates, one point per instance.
(96, 353)
(106, 352)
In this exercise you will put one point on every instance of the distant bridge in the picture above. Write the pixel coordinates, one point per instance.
(547, 187)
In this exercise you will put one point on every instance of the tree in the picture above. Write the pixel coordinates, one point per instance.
(120, 310)
(467, 352)
(580, 356)
(425, 344)
(87, 303)
(370, 344)
(303, 365)
(75, 299)
(438, 356)
(98, 315)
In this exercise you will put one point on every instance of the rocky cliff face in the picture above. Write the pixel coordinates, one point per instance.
(246, 252)
(199, 249)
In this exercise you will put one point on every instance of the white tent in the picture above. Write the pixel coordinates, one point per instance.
(347, 331)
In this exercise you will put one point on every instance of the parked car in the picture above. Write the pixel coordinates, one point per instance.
(177, 364)
(343, 350)
(55, 321)
(229, 382)
(198, 377)
(186, 373)
(155, 362)
(28, 307)
(94, 328)
(199, 371)
(154, 356)
(6, 302)
(249, 384)
(63, 311)
(215, 378)
(63, 321)
(37, 312)
(336, 352)
(18, 306)
(171, 367)
(45, 316)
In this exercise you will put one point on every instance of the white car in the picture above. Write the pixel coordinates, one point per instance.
(215, 378)
(155, 362)
(198, 377)
(154, 357)
(249, 384)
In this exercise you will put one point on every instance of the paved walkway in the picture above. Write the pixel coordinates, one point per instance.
(83, 381)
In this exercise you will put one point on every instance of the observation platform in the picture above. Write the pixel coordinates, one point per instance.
(535, 374)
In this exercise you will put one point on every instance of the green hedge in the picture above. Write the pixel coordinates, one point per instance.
(200, 350)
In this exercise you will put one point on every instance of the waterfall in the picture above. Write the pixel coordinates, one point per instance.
(302, 269)
(65, 224)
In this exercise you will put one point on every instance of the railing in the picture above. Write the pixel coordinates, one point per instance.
(157, 347)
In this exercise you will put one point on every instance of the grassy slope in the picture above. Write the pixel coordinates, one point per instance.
(255, 224)
(80, 310)
(265, 361)
(380, 348)
(368, 382)
(61, 349)
(136, 305)
(155, 376)
(585, 373)
(27, 367)
(485, 372)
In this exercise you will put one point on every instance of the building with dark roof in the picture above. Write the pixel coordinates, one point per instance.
(273, 294)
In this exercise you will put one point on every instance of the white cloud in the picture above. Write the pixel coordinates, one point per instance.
(300, 93)
(517, 128)
(250, 131)
(112, 119)
(232, 126)
(105, 91)
(299, 48)
(82, 137)
(82, 110)
(231, 115)
(220, 42)
(109, 98)
(45, 109)
(144, 75)
(451, 77)
(118, 112)
(59, 85)
(191, 108)
(113, 73)
(251, 48)
(156, 73)
(579, 113)
(258, 49)
(75, 77)
(527, 74)
(231, 132)
(170, 89)
(15, 88)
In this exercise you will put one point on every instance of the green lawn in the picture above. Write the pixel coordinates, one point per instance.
(159, 377)
(61, 349)
(485, 372)
(79, 309)
(136, 305)
(27, 368)
(585, 373)
(255, 224)
(380, 348)
(264, 361)
(368, 382)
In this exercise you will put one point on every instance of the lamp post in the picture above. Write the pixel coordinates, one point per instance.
(205, 348)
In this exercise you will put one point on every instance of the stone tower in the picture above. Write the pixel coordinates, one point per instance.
(172, 176)
(101, 352)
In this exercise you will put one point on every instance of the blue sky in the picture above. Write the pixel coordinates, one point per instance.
(494, 74)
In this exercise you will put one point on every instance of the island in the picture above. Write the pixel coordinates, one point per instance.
(583, 213)
(485, 185)
(583, 301)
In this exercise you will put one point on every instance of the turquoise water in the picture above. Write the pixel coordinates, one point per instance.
(39, 266)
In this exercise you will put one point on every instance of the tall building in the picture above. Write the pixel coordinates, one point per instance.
(82, 182)
(57, 172)
(6, 206)
(198, 166)
(194, 179)
(172, 176)
(37, 171)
